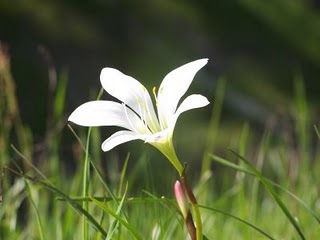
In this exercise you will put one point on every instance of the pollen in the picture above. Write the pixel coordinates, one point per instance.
(154, 89)
(161, 90)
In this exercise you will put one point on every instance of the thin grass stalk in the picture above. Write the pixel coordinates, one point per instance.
(317, 131)
(86, 179)
(249, 172)
(134, 233)
(274, 194)
(33, 204)
(49, 186)
(255, 187)
(239, 219)
(85, 186)
(213, 124)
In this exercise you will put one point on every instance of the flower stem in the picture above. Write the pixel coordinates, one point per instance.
(194, 226)
(195, 207)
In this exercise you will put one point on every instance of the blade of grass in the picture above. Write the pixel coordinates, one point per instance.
(86, 178)
(256, 184)
(123, 174)
(95, 168)
(317, 131)
(118, 218)
(214, 124)
(240, 178)
(86, 199)
(59, 100)
(239, 219)
(165, 202)
(28, 162)
(114, 223)
(29, 195)
(127, 200)
(1, 185)
(245, 170)
(168, 205)
(302, 117)
(85, 186)
(273, 193)
(77, 207)
(230, 164)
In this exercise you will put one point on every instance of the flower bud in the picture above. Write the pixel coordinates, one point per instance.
(181, 199)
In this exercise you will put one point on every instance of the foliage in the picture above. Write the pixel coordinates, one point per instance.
(268, 189)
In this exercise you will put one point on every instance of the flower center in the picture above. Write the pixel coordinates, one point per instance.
(145, 113)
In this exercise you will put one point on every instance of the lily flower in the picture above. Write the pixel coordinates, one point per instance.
(136, 113)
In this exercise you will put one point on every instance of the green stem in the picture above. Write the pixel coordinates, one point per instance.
(85, 187)
(194, 205)
(167, 149)
(197, 220)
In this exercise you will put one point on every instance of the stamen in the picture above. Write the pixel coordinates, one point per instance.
(153, 127)
(161, 123)
(161, 90)
(142, 113)
(155, 94)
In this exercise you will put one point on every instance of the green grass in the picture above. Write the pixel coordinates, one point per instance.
(260, 189)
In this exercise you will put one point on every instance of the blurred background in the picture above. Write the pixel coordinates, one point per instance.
(257, 51)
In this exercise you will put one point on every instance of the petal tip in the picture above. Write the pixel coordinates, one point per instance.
(72, 118)
(105, 147)
(204, 61)
(108, 73)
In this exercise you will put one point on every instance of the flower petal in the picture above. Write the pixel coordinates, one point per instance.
(106, 113)
(131, 92)
(174, 86)
(191, 102)
(119, 138)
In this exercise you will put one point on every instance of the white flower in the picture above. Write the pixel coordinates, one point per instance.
(136, 112)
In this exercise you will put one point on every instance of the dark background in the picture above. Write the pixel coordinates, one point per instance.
(258, 47)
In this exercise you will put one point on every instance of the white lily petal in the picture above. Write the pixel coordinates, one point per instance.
(136, 112)
(174, 86)
(191, 102)
(119, 138)
(159, 136)
(131, 92)
(106, 113)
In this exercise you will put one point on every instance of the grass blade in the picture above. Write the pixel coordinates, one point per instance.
(33, 204)
(118, 218)
(247, 171)
(239, 219)
(85, 185)
(317, 131)
(77, 207)
(273, 193)
(114, 223)
(214, 124)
